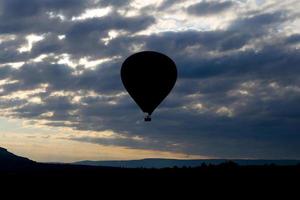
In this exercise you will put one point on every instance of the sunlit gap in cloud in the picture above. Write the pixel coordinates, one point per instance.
(7, 37)
(15, 65)
(31, 39)
(86, 62)
(53, 15)
(93, 13)
(112, 34)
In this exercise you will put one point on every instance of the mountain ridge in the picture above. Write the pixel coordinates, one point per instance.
(165, 163)
(9, 160)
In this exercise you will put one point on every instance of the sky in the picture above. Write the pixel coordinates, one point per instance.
(237, 93)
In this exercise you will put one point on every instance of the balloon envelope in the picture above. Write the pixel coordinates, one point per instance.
(148, 77)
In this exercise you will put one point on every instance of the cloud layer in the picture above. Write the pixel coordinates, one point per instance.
(238, 88)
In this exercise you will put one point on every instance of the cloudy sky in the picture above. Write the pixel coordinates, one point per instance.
(237, 94)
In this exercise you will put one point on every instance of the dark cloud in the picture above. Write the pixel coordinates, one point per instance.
(262, 21)
(210, 7)
(19, 9)
(167, 4)
(293, 39)
(236, 96)
(115, 3)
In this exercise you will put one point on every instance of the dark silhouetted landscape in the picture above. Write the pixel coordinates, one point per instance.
(14, 167)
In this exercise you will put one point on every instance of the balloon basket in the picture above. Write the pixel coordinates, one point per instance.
(148, 118)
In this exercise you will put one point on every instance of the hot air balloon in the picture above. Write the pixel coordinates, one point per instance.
(148, 77)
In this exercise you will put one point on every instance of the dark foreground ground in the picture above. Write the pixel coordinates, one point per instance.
(229, 172)
(21, 176)
(93, 182)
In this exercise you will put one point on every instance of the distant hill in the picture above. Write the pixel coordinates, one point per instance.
(9, 160)
(165, 163)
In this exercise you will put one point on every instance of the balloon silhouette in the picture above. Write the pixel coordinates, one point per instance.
(148, 77)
